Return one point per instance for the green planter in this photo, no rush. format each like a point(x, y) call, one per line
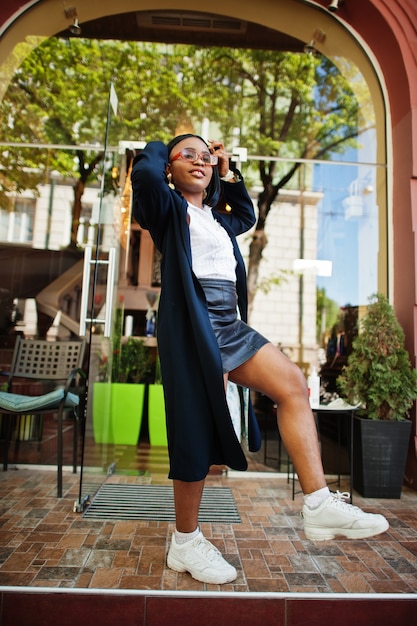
point(117, 412)
point(156, 416)
point(379, 458)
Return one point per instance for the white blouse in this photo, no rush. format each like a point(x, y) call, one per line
point(211, 247)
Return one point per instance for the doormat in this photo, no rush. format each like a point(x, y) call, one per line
point(156, 502)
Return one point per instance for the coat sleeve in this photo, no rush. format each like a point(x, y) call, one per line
point(242, 215)
point(151, 194)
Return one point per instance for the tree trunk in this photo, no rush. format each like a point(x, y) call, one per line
point(79, 188)
point(259, 241)
point(256, 248)
point(259, 238)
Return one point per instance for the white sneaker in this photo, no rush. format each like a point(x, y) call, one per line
point(334, 517)
point(201, 559)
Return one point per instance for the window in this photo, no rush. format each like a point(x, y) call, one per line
point(16, 226)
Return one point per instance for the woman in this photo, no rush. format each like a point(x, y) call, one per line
point(203, 343)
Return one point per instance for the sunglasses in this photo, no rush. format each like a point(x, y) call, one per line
point(191, 155)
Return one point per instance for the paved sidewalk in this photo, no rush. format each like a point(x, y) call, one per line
point(43, 543)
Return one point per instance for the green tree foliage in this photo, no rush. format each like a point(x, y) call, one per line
point(287, 105)
point(279, 104)
point(59, 95)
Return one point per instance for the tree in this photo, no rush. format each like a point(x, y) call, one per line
point(287, 105)
point(59, 95)
point(280, 105)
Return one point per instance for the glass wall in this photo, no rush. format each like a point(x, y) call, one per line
point(321, 258)
point(326, 229)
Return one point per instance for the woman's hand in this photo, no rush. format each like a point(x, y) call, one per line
point(217, 148)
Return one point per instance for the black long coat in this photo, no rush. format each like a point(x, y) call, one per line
point(200, 430)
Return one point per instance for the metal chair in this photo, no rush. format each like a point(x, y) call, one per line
point(59, 365)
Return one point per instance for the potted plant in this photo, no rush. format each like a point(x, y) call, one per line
point(156, 410)
point(380, 378)
point(118, 396)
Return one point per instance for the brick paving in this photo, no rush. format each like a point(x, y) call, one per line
point(44, 543)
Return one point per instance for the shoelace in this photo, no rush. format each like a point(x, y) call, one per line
point(207, 549)
point(339, 499)
point(341, 495)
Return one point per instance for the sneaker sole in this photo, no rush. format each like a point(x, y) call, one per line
point(177, 566)
point(325, 534)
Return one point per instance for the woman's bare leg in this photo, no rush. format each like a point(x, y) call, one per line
point(273, 374)
point(187, 497)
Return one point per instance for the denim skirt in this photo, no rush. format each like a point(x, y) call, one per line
point(237, 341)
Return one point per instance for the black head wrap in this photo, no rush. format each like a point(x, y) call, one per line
point(214, 188)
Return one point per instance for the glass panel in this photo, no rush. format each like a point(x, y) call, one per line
point(321, 263)
point(327, 243)
point(116, 383)
point(336, 228)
